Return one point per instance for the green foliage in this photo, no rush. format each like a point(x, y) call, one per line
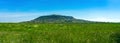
point(59, 33)
point(115, 37)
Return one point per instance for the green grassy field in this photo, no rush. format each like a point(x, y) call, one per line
point(59, 33)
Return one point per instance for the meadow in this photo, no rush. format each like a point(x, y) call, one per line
point(60, 33)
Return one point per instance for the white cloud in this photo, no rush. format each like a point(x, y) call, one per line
point(103, 19)
point(17, 16)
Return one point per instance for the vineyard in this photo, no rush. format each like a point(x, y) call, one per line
point(60, 33)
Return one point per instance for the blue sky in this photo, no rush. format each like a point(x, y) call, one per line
point(94, 10)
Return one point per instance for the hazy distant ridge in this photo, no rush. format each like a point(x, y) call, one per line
point(58, 19)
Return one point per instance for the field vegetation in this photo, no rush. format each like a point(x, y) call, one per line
point(60, 33)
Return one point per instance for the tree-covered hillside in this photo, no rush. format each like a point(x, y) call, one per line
point(57, 19)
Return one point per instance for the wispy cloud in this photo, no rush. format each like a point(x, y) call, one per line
point(91, 14)
point(17, 16)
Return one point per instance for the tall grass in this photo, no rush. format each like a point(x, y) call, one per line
point(59, 33)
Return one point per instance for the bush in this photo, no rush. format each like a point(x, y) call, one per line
point(115, 37)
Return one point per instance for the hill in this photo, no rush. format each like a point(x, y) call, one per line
point(57, 19)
